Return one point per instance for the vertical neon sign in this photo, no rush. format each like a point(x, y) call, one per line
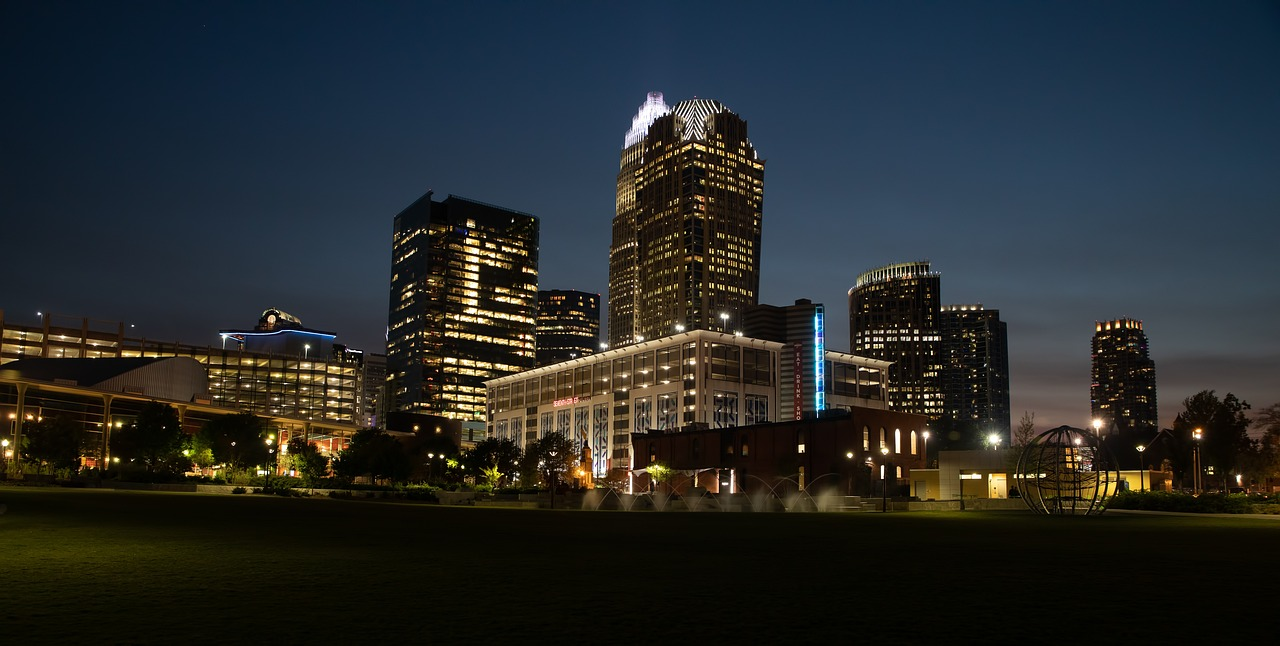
point(819, 361)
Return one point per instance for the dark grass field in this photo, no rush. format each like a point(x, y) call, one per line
point(99, 566)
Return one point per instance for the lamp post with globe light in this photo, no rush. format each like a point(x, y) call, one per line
point(551, 466)
point(1196, 435)
point(849, 456)
point(1142, 469)
point(884, 480)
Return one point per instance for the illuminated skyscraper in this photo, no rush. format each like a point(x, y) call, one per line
point(568, 325)
point(975, 367)
point(464, 297)
point(893, 316)
point(1123, 392)
point(686, 234)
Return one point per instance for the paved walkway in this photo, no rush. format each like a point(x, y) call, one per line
point(1186, 513)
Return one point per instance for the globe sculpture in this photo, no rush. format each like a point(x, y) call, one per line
point(1066, 471)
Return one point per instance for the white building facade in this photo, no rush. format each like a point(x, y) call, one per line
point(696, 379)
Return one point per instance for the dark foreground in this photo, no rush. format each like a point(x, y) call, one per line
point(95, 566)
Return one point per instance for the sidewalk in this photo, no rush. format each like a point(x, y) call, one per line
point(1275, 517)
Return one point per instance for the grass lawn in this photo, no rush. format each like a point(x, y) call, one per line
point(100, 566)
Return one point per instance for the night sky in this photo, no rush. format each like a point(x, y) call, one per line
point(184, 166)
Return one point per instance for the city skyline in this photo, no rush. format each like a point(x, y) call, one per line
point(183, 168)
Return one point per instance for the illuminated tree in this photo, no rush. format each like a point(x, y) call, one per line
point(55, 441)
point(550, 458)
point(238, 441)
point(154, 440)
point(309, 462)
point(495, 459)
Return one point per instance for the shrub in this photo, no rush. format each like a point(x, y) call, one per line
point(1209, 503)
point(238, 490)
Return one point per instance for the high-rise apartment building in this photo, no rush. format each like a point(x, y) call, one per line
point(686, 234)
point(893, 316)
point(1123, 392)
point(975, 367)
point(568, 325)
point(464, 297)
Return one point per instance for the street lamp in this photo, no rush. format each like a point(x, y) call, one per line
point(1196, 435)
point(1142, 468)
point(926, 448)
point(884, 480)
point(271, 454)
point(1097, 426)
point(994, 441)
point(724, 321)
point(849, 456)
point(551, 467)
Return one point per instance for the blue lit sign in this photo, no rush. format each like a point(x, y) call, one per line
point(819, 361)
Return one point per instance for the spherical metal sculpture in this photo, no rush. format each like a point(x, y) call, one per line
point(1066, 471)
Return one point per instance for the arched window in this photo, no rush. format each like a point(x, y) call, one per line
point(884, 439)
point(866, 439)
point(745, 449)
point(914, 450)
point(897, 440)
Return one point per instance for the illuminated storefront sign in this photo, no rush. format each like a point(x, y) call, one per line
point(819, 361)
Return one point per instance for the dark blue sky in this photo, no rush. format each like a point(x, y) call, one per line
point(183, 166)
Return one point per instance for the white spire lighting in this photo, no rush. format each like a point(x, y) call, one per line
point(652, 109)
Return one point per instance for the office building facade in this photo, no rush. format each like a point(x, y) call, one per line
point(464, 297)
point(975, 367)
point(695, 379)
point(1123, 389)
point(568, 325)
point(686, 231)
point(814, 379)
point(894, 316)
point(272, 373)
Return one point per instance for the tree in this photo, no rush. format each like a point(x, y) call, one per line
point(1225, 441)
point(238, 441)
point(307, 459)
point(495, 459)
point(1025, 432)
point(154, 440)
point(57, 441)
point(550, 458)
point(433, 457)
point(659, 473)
point(376, 454)
point(1267, 449)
